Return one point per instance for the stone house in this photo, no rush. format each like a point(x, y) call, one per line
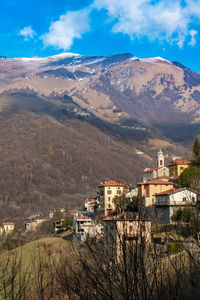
point(33, 222)
point(128, 228)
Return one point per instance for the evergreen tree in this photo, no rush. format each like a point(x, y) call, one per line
point(196, 153)
point(189, 178)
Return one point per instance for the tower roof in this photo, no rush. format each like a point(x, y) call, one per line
point(160, 152)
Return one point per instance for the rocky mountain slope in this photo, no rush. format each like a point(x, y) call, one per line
point(68, 122)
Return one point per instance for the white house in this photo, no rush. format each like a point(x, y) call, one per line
point(132, 192)
point(84, 226)
point(91, 204)
point(169, 201)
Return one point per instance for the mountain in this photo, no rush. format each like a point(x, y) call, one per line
point(68, 122)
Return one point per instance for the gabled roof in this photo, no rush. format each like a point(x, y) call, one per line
point(153, 169)
point(179, 162)
point(150, 170)
point(82, 218)
point(173, 191)
point(111, 183)
point(8, 223)
point(156, 181)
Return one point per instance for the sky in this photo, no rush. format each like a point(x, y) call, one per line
point(145, 28)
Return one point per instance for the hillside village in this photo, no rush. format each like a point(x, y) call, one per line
point(156, 199)
point(157, 196)
point(150, 224)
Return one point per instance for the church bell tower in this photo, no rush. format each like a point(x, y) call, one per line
point(161, 160)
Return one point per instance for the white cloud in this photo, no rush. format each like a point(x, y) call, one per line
point(164, 20)
point(70, 26)
point(192, 33)
point(167, 20)
point(27, 33)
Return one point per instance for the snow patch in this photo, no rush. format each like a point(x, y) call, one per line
point(45, 59)
point(94, 61)
point(134, 58)
point(154, 59)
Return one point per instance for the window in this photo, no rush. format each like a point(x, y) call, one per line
point(193, 199)
point(184, 199)
point(182, 168)
point(109, 192)
point(118, 192)
point(108, 198)
point(161, 162)
point(130, 228)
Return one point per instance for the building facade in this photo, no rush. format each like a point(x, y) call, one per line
point(107, 193)
point(84, 226)
point(176, 167)
point(127, 229)
point(8, 227)
point(169, 201)
point(147, 191)
point(33, 222)
point(159, 172)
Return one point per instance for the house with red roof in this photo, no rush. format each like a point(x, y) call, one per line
point(7, 227)
point(107, 192)
point(167, 203)
point(147, 191)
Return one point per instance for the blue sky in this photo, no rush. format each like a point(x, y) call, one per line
point(166, 28)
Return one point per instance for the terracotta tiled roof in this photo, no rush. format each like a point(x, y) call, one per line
point(111, 183)
point(82, 218)
point(156, 181)
point(172, 191)
point(150, 170)
point(179, 162)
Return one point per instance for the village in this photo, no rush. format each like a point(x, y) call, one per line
point(127, 230)
point(117, 212)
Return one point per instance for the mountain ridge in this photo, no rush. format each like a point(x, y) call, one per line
point(68, 123)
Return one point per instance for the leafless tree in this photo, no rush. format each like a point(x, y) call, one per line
point(13, 277)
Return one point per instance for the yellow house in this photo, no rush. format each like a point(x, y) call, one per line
point(176, 167)
point(107, 192)
point(8, 227)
